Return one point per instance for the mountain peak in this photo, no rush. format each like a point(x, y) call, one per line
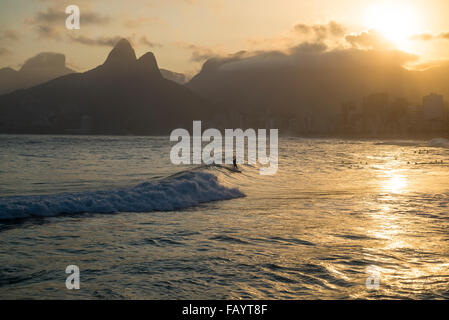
point(148, 63)
point(122, 53)
point(7, 70)
point(44, 60)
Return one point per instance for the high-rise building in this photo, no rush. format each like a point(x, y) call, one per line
point(433, 107)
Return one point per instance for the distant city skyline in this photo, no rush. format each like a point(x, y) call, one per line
point(184, 33)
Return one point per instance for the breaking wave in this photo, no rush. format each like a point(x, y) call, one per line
point(182, 190)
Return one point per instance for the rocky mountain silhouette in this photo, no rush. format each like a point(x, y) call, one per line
point(39, 69)
point(124, 95)
point(174, 76)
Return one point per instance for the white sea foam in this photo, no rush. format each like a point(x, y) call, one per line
point(183, 190)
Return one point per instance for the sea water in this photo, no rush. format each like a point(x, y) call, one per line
point(336, 213)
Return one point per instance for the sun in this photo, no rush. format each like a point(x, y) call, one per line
point(396, 22)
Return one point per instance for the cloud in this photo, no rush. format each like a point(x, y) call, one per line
point(315, 41)
point(143, 40)
point(4, 51)
point(10, 35)
point(315, 36)
point(422, 37)
point(321, 31)
point(330, 34)
point(335, 35)
point(310, 55)
point(50, 23)
point(430, 36)
point(310, 47)
point(139, 22)
point(201, 53)
point(368, 40)
point(98, 41)
point(45, 31)
point(103, 41)
point(444, 35)
point(58, 16)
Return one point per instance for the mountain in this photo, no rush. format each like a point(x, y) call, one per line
point(311, 82)
point(38, 69)
point(124, 95)
point(174, 76)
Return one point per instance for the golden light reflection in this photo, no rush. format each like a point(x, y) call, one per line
point(387, 227)
point(395, 183)
point(420, 272)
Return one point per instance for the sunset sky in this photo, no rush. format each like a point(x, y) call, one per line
point(183, 33)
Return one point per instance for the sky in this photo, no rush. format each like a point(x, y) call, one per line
point(184, 33)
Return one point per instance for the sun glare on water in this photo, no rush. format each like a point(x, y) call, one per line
point(395, 183)
point(395, 22)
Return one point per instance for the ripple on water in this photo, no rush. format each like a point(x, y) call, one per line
point(292, 241)
point(225, 238)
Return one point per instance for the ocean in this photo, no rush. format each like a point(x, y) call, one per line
point(341, 219)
